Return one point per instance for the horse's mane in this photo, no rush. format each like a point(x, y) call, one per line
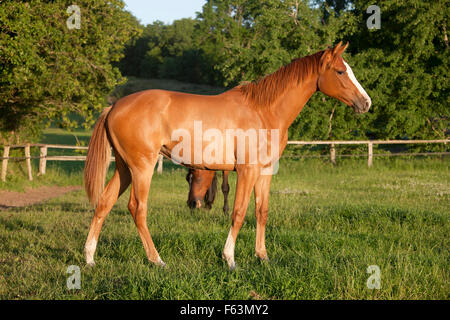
point(265, 91)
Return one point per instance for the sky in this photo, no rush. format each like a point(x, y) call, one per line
point(148, 11)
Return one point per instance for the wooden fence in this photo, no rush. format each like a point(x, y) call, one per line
point(43, 157)
point(370, 144)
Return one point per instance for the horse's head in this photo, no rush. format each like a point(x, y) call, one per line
point(200, 181)
point(336, 79)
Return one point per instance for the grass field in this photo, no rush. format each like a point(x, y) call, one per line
point(326, 226)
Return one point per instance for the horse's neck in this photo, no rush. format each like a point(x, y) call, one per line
point(288, 106)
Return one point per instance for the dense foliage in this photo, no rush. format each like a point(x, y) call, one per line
point(48, 71)
point(403, 65)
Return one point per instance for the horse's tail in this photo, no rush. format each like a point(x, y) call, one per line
point(97, 160)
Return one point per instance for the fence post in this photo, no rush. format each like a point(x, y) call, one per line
point(42, 160)
point(333, 154)
point(28, 160)
point(160, 164)
point(5, 162)
point(370, 158)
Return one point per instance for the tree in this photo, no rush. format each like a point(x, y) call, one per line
point(254, 38)
point(403, 66)
point(406, 66)
point(168, 51)
point(48, 71)
point(142, 55)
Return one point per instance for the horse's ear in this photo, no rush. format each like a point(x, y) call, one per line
point(337, 48)
point(326, 59)
point(339, 51)
point(329, 55)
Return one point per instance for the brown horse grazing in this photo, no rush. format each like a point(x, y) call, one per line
point(203, 185)
point(141, 125)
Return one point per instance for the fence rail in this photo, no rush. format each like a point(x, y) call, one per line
point(43, 157)
point(369, 144)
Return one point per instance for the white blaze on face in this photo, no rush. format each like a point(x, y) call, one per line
point(356, 83)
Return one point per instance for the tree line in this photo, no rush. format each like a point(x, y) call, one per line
point(52, 73)
point(403, 64)
point(49, 72)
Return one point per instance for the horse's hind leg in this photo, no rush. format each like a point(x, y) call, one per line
point(141, 180)
point(116, 186)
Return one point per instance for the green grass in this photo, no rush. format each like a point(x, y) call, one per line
point(61, 136)
point(58, 173)
point(326, 226)
point(66, 173)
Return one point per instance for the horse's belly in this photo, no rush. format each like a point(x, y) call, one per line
point(192, 164)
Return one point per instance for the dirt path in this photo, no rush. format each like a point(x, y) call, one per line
point(11, 199)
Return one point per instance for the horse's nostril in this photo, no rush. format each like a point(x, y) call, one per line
point(192, 204)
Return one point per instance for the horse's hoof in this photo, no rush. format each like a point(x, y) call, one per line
point(263, 258)
point(90, 264)
point(230, 262)
point(231, 265)
point(160, 263)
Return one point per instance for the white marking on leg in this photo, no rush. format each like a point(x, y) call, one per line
point(352, 77)
point(89, 250)
point(228, 251)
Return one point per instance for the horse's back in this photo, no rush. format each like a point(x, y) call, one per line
point(150, 118)
point(158, 101)
point(142, 101)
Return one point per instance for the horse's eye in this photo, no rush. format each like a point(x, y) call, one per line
point(340, 72)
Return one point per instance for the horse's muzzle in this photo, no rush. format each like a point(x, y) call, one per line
point(194, 204)
point(362, 105)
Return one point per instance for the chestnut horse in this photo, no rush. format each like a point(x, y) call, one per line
point(140, 126)
point(203, 185)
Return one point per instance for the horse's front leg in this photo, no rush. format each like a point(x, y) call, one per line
point(262, 188)
point(246, 178)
